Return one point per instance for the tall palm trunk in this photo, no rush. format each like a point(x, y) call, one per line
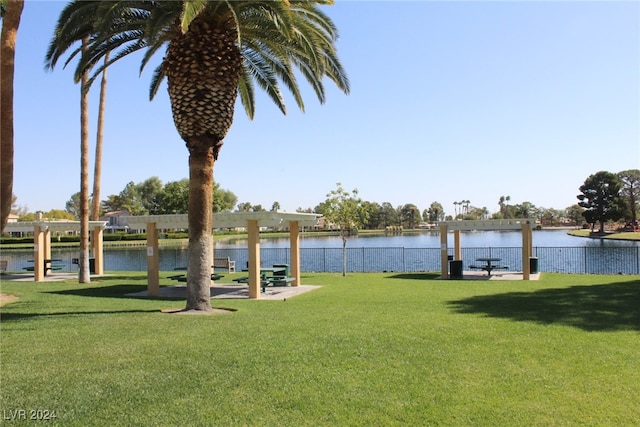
point(203, 68)
point(10, 24)
point(97, 169)
point(84, 274)
point(201, 161)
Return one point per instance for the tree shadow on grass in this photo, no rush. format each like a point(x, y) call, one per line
point(416, 276)
point(17, 316)
point(114, 291)
point(610, 307)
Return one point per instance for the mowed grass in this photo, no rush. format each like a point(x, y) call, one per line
point(366, 349)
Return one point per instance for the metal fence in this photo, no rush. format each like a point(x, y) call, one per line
point(577, 260)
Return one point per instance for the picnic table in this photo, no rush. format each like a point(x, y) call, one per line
point(47, 265)
point(488, 265)
point(278, 275)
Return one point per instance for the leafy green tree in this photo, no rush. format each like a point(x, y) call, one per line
point(223, 200)
point(73, 205)
point(149, 191)
point(435, 213)
point(600, 197)
point(574, 213)
point(215, 51)
point(410, 215)
point(275, 207)
point(375, 215)
point(630, 190)
point(346, 211)
point(174, 198)
point(389, 216)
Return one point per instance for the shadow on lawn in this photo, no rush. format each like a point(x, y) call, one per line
point(17, 316)
point(609, 307)
point(416, 276)
point(113, 291)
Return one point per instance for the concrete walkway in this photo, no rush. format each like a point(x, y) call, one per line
point(232, 292)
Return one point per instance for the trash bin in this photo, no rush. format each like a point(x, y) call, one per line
point(455, 269)
point(533, 265)
point(92, 265)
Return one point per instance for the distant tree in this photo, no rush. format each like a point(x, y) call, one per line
point(389, 216)
point(223, 200)
point(149, 192)
point(550, 216)
point(174, 198)
point(410, 215)
point(600, 196)
point(375, 215)
point(574, 213)
point(345, 210)
point(435, 213)
point(630, 190)
point(275, 207)
point(244, 207)
point(524, 210)
point(73, 205)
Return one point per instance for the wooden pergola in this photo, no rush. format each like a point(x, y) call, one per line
point(252, 221)
point(524, 224)
point(42, 241)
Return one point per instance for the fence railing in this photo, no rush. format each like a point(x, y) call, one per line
point(579, 260)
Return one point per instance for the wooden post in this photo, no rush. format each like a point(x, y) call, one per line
point(98, 250)
point(294, 239)
point(444, 260)
point(153, 260)
point(38, 254)
point(526, 250)
point(254, 258)
point(456, 244)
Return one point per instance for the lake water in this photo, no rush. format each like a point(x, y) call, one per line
point(472, 239)
point(555, 250)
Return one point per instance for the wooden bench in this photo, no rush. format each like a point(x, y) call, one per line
point(225, 263)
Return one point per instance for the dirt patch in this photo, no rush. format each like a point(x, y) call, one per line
point(7, 298)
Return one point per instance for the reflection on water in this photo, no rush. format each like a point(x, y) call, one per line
point(470, 239)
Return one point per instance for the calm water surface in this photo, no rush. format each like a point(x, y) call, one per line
point(473, 239)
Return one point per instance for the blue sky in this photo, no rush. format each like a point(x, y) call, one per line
point(449, 101)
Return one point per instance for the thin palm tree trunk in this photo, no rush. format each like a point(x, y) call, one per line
point(10, 24)
point(84, 275)
point(97, 169)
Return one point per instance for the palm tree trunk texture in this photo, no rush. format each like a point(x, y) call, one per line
point(10, 24)
point(97, 168)
point(201, 161)
point(84, 274)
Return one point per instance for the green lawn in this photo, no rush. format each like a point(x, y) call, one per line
point(367, 349)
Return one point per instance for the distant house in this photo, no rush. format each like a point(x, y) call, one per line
point(116, 221)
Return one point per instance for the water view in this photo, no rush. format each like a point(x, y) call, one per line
point(431, 239)
point(555, 250)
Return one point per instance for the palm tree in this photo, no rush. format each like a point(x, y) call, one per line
point(11, 13)
point(215, 51)
point(97, 167)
